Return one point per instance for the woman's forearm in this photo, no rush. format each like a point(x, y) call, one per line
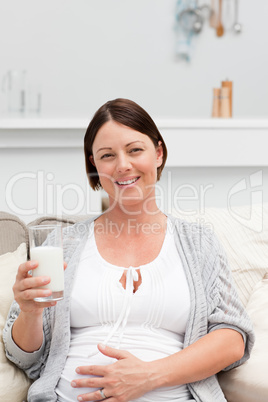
point(27, 331)
point(206, 357)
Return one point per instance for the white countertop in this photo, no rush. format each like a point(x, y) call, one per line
point(190, 142)
point(82, 123)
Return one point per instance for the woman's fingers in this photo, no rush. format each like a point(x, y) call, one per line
point(87, 382)
point(94, 396)
point(23, 270)
point(34, 282)
point(93, 370)
point(90, 382)
point(30, 284)
point(113, 352)
point(27, 287)
point(31, 294)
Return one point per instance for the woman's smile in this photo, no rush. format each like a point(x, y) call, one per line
point(127, 182)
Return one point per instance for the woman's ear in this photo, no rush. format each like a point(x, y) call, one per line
point(91, 159)
point(159, 154)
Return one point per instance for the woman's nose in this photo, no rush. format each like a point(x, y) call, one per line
point(123, 163)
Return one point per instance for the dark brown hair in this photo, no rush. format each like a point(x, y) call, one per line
point(128, 113)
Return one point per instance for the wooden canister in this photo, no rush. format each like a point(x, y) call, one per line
point(225, 103)
point(216, 106)
point(229, 85)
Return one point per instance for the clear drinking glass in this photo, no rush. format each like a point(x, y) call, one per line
point(14, 85)
point(46, 248)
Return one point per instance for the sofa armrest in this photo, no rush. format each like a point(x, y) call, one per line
point(13, 232)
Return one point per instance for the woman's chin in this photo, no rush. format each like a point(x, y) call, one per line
point(126, 204)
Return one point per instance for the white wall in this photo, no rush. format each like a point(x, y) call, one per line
point(85, 52)
point(190, 190)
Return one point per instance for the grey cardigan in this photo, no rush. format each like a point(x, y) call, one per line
point(214, 305)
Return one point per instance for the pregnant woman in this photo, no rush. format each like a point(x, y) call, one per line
point(150, 311)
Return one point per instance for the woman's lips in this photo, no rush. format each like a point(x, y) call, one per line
point(127, 181)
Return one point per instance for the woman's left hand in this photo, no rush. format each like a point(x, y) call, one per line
point(126, 379)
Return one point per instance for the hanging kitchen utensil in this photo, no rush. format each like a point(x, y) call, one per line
point(205, 10)
point(237, 26)
point(227, 15)
point(191, 19)
point(220, 28)
point(213, 15)
point(184, 38)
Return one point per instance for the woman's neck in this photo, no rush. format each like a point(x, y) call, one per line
point(135, 219)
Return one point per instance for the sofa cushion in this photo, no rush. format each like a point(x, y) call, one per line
point(248, 382)
point(13, 232)
point(243, 232)
point(14, 383)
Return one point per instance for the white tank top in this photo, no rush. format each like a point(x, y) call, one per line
point(149, 323)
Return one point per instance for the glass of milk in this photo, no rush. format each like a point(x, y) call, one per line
point(46, 248)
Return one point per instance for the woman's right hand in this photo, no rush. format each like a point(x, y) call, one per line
point(26, 288)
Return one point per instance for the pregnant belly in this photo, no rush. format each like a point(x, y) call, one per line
point(64, 388)
point(66, 393)
point(84, 352)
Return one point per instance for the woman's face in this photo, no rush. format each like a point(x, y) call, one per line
point(127, 162)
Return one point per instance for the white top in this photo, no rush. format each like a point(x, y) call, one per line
point(149, 323)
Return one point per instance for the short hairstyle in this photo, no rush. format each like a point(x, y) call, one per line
point(128, 113)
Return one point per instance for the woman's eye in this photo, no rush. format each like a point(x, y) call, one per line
point(135, 150)
point(106, 156)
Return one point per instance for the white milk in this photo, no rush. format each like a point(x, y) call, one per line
point(50, 261)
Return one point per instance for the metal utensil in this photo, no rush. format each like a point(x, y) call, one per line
point(213, 16)
point(237, 27)
point(191, 19)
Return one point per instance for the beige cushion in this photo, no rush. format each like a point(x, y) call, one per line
point(248, 383)
point(14, 383)
point(243, 232)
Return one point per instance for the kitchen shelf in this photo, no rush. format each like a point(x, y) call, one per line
point(53, 123)
point(190, 142)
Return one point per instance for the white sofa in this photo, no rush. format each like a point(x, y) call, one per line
point(243, 232)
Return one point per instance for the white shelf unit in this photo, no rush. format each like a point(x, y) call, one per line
point(190, 142)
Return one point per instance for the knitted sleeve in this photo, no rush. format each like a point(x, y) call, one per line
point(225, 309)
point(31, 363)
